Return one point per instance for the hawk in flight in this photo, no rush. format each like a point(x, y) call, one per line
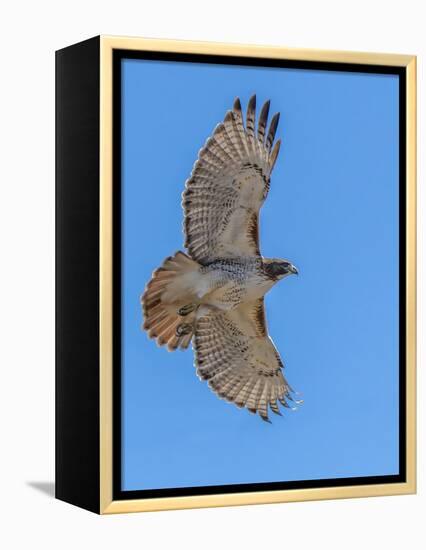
point(213, 295)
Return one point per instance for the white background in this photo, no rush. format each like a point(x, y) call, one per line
point(29, 33)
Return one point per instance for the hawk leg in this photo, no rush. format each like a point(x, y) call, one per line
point(187, 328)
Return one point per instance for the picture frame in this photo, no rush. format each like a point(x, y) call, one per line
point(89, 241)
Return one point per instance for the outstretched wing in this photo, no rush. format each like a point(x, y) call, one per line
point(234, 353)
point(228, 184)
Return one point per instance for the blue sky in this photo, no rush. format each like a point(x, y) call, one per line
point(333, 211)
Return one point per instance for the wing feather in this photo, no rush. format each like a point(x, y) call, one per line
point(263, 120)
point(274, 155)
point(272, 130)
point(251, 115)
point(228, 185)
point(238, 116)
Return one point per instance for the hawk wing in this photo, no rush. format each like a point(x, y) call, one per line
point(228, 185)
point(234, 353)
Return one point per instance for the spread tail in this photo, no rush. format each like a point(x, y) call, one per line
point(168, 292)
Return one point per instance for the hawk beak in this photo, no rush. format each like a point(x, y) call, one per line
point(294, 270)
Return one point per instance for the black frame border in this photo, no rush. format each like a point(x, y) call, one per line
point(118, 56)
point(77, 398)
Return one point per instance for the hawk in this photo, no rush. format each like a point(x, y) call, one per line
point(213, 295)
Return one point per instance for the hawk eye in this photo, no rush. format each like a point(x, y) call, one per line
point(275, 268)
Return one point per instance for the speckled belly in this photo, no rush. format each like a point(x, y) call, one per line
point(228, 289)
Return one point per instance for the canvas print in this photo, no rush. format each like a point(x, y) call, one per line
point(213, 296)
point(260, 262)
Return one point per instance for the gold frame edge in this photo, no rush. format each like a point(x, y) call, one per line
point(105, 276)
point(107, 504)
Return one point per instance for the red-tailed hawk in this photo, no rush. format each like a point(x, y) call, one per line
point(213, 296)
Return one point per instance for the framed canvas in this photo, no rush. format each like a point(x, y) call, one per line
point(235, 235)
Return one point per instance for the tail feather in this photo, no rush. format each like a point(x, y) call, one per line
point(165, 293)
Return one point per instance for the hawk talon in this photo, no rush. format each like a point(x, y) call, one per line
point(183, 329)
point(186, 310)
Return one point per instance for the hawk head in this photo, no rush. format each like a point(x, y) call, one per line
point(277, 269)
